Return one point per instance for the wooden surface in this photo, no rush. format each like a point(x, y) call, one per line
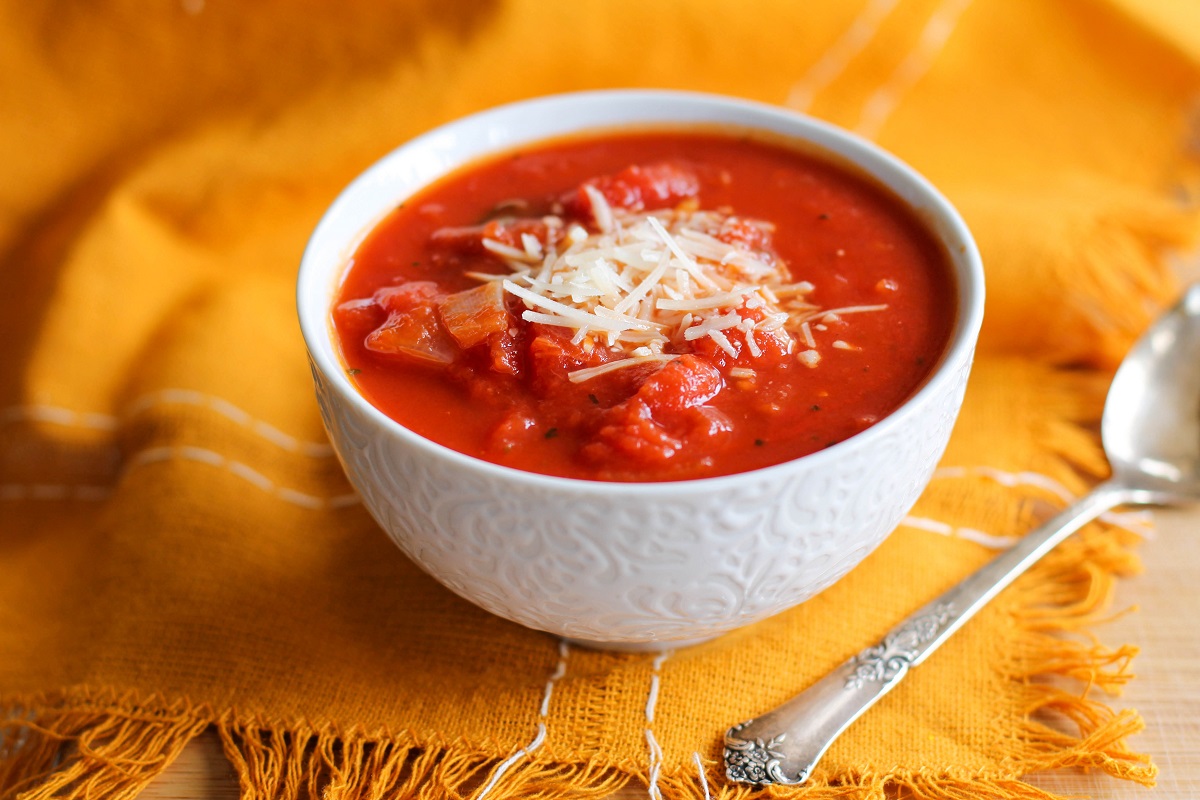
point(1167, 690)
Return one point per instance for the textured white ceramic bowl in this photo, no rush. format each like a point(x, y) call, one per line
point(619, 564)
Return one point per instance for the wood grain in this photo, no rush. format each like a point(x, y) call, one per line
point(1166, 626)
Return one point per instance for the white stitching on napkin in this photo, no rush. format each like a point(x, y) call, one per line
point(656, 759)
point(880, 105)
point(652, 697)
point(835, 60)
point(993, 540)
point(560, 669)
point(503, 766)
point(1010, 479)
point(1139, 523)
point(232, 412)
point(254, 477)
point(703, 777)
point(107, 422)
point(652, 746)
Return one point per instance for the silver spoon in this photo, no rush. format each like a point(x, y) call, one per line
point(1151, 434)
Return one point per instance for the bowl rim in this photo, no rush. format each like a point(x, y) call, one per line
point(726, 111)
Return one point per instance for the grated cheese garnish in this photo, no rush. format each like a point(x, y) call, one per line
point(507, 252)
point(580, 375)
point(806, 332)
point(646, 283)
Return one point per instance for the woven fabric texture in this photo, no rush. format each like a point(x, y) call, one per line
point(180, 552)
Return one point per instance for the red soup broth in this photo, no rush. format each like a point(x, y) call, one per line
point(712, 374)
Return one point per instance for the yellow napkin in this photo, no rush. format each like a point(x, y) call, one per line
point(180, 551)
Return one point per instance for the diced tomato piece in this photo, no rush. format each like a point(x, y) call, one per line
point(468, 239)
point(359, 317)
point(708, 424)
point(773, 345)
point(406, 296)
point(412, 328)
point(665, 416)
point(516, 428)
point(630, 430)
point(676, 396)
point(683, 383)
point(553, 355)
point(750, 234)
point(504, 353)
point(637, 188)
point(399, 320)
point(415, 333)
point(707, 348)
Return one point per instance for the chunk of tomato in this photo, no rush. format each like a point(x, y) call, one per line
point(417, 335)
point(751, 235)
point(412, 328)
point(406, 296)
point(630, 431)
point(771, 347)
point(683, 383)
point(359, 317)
point(665, 417)
point(637, 188)
point(362, 315)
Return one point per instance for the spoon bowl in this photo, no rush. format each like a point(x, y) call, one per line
point(1151, 435)
point(1151, 425)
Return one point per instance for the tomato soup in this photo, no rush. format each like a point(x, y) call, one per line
point(651, 306)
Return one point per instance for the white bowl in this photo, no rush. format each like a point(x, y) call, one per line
point(630, 565)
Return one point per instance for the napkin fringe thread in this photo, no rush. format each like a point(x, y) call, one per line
point(304, 763)
point(89, 745)
point(1059, 663)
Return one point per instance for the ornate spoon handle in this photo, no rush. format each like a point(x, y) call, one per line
point(784, 745)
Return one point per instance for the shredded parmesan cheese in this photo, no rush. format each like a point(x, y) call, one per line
point(646, 284)
point(806, 332)
point(504, 251)
point(835, 314)
point(580, 375)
